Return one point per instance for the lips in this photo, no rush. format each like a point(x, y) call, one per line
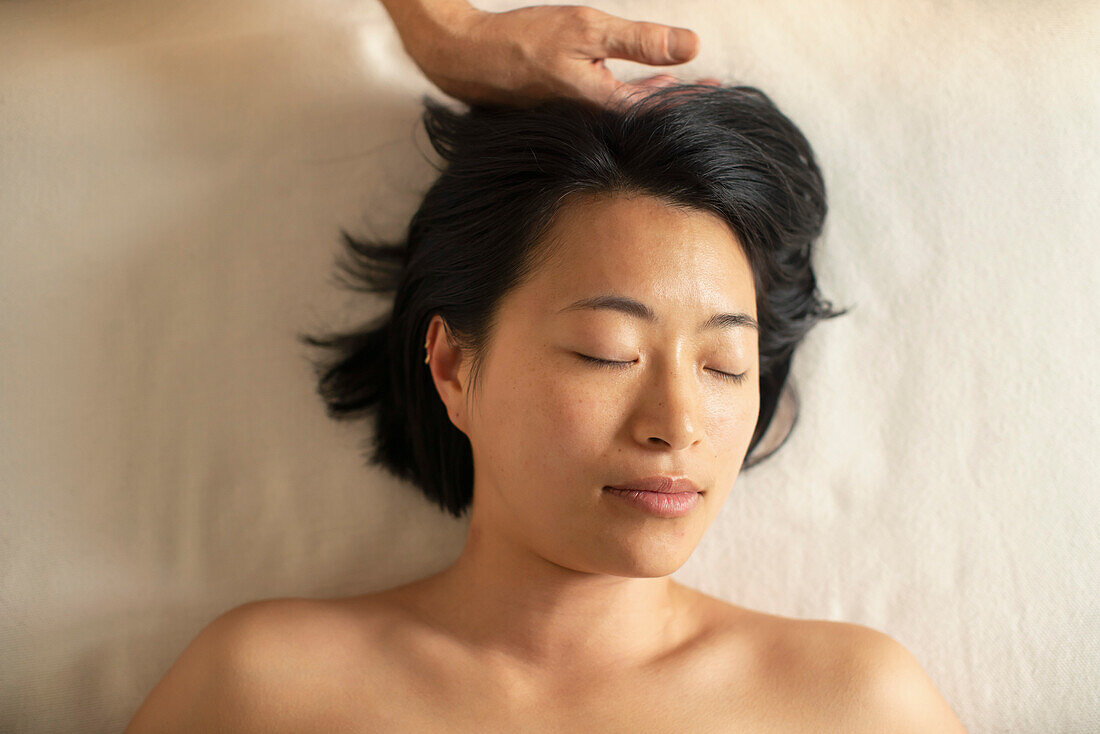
point(660, 483)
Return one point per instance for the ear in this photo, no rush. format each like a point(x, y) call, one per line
point(449, 369)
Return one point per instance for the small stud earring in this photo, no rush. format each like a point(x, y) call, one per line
point(428, 356)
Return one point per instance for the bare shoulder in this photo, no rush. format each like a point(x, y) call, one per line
point(243, 672)
point(863, 680)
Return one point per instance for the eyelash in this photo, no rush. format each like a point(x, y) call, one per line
point(738, 379)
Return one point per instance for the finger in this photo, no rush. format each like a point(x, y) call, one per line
point(611, 93)
point(627, 94)
point(646, 43)
point(667, 80)
point(658, 80)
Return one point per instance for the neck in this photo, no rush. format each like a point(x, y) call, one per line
point(503, 599)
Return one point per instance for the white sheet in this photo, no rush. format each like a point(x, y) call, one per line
point(172, 181)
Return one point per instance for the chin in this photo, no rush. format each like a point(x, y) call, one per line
point(654, 560)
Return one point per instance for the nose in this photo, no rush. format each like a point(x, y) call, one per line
point(670, 414)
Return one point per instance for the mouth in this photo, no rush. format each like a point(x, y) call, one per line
point(659, 504)
point(660, 483)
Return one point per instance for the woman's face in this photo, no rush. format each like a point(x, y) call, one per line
point(549, 430)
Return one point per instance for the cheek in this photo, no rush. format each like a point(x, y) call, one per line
point(580, 414)
point(743, 407)
point(587, 416)
point(574, 416)
point(554, 422)
point(545, 422)
point(733, 426)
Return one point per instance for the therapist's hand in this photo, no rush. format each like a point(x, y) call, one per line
point(523, 56)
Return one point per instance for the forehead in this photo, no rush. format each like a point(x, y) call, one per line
point(646, 248)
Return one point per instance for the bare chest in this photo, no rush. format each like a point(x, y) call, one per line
point(606, 710)
point(719, 688)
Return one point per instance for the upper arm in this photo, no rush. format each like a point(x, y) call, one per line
point(895, 693)
point(222, 681)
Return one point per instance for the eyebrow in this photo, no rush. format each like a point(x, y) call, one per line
point(639, 310)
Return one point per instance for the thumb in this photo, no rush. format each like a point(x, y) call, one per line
point(648, 43)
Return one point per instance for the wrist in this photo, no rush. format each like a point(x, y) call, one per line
point(428, 19)
point(436, 32)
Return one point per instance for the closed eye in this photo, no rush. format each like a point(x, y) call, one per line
point(611, 364)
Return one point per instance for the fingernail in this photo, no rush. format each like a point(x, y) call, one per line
point(680, 43)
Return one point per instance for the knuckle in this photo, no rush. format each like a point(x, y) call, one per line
point(591, 36)
point(582, 15)
point(584, 23)
point(651, 39)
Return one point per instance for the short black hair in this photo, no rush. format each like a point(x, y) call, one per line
point(478, 233)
